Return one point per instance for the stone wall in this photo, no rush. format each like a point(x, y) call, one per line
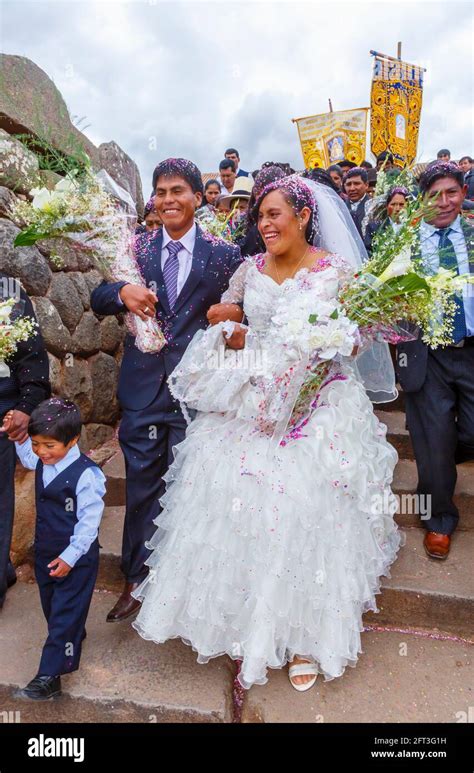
point(84, 350)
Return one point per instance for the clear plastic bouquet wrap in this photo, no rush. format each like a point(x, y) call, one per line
point(95, 217)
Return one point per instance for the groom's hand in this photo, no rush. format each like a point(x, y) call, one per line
point(139, 300)
point(220, 312)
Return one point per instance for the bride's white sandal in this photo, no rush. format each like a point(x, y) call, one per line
point(303, 669)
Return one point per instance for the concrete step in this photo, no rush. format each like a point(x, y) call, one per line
point(404, 485)
point(122, 678)
point(399, 677)
point(421, 592)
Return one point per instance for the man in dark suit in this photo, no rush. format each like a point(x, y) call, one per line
point(24, 384)
point(185, 274)
point(356, 186)
point(466, 163)
point(438, 383)
point(233, 154)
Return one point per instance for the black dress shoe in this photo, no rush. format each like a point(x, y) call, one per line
point(41, 688)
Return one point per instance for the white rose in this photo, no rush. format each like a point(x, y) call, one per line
point(340, 338)
point(295, 326)
point(324, 309)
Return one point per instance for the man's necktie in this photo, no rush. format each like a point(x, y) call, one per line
point(447, 259)
point(170, 272)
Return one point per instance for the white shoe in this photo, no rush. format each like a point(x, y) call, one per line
point(303, 669)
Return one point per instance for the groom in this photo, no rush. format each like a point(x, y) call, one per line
point(185, 273)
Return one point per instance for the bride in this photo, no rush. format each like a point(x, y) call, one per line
point(270, 545)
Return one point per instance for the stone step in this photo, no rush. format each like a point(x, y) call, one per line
point(397, 434)
point(110, 538)
point(395, 405)
point(404, 486)
point(428, 593)
point(421, 592)
point(399, 677)
point(121, 678)
point(114, 471)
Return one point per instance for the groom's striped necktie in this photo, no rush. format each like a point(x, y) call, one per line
point(447, 259)
point(170, 271)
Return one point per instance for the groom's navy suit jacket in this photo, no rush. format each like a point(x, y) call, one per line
point(412, 375)
point(213, 264)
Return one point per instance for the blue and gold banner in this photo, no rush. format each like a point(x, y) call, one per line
point(330, 137)
point(395, 108)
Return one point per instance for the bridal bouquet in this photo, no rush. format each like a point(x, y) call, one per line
point(11, 332)
point(96, 217)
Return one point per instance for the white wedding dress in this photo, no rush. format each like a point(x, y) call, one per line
point(266, 551)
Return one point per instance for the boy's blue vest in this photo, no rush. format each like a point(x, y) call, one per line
point(56, 507)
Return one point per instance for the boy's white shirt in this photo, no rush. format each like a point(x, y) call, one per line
point(90, 491)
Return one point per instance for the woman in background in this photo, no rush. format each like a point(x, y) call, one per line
point(386, 214)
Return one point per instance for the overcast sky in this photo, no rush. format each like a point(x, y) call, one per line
point(189, 79)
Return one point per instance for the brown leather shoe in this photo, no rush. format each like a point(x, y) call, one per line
point(126, 604)
point(437, 545)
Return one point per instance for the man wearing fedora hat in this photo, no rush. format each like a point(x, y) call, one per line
point(238, 201)
point(240, 194)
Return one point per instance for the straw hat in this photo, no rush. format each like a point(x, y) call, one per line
point(241, 190)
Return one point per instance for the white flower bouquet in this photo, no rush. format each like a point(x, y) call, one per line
point(97, 217)
point(12, 331)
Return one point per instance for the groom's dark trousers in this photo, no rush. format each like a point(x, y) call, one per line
point(152, 421)
point(439, 403)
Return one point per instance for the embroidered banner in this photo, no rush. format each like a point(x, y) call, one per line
point(330, 137)
point(395, 108)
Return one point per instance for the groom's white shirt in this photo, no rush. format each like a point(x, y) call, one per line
point(185, 256)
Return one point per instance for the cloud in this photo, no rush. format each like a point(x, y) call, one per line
point(189, 79)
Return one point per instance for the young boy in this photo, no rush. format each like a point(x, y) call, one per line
point(69, 506)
